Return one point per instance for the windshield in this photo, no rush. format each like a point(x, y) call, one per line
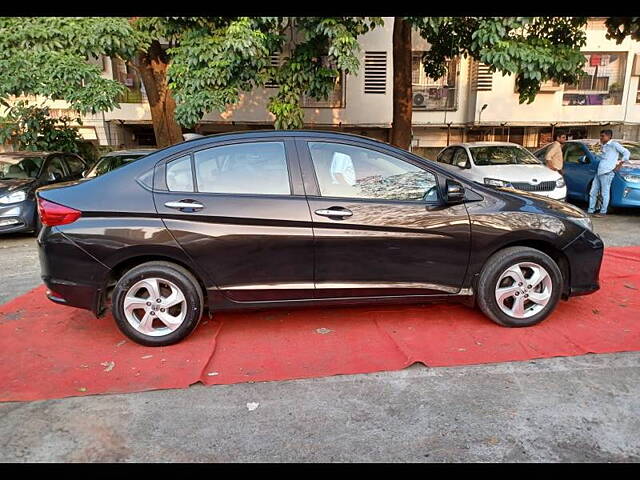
point(19, 166)
point(106, 164)
point(502, 155)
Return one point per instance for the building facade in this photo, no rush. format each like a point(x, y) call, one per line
point(469, 103)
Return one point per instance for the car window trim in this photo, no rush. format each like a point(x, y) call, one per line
point(294, 174)
point(312, 186)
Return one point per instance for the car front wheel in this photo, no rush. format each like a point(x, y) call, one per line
point(519, 287)
point(157, 303)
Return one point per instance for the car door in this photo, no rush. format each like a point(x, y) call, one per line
point(239, 211)
point(578, 170)
point(379, 224)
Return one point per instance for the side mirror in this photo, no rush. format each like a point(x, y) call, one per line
point(461, 164)
point(54, 177)
point(455, 192)
point(583, 159)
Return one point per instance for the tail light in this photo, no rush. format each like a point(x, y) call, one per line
point(52, 214)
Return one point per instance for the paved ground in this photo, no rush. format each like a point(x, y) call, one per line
point(579, 409)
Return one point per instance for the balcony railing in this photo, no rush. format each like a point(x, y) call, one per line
point(434, 97)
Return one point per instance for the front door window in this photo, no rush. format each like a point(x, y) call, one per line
point(346, 171)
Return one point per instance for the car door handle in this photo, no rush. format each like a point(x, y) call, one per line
point(184, 204)
point(334, 212)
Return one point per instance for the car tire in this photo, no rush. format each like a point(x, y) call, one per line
point(160, 321)
point(506, 296)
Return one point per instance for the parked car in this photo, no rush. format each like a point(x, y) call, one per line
point(503, 164)
point(581, 158)
point(287, 218)
point(21, 173)
point(113, 160)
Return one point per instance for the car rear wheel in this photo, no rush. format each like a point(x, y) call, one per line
point(157, 303)
point(519, 287)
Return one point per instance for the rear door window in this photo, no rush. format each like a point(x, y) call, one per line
point(258, 168)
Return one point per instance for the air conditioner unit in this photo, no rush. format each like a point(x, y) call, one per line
point(636, 65)
point(419, 100)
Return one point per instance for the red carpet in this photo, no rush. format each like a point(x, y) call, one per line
point(51, 351)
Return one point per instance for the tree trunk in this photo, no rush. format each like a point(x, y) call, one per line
point(402, 92)
point(152, 66)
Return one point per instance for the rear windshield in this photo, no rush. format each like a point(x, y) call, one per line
point(14, 166)
point(106, 164)
point(502, 155)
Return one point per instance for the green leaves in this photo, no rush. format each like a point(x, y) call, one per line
point(48, 56)
point(215, 61)
point(30, 127)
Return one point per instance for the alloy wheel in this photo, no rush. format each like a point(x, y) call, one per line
point(155, 306)
point(523, 290)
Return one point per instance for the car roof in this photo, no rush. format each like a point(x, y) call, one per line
point(596, 140)
point(280, 133)
point(132, 151)
point(485, 144)
point(26, 153)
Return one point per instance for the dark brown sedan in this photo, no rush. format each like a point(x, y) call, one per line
point(288, 218)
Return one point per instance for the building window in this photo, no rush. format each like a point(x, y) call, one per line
point(603, 82)
point(433, 94)
point(336, 97)
point(127, 76)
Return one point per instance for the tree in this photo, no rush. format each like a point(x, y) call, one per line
point(219, 58)
point(47, 56)
point(619, 28)
point(30, 127)
point(534, 49)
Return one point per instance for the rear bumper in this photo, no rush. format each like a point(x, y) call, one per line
point(585, 259)
point(72, 276)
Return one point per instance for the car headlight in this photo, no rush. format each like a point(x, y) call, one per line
point(631, 178)
point(14, 197)
point(494, 182)
point(560, 183)
point(582, 221)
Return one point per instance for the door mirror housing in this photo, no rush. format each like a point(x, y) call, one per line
point(455, 192)
point(54, 177)
point(461, 164)
point(583, 159)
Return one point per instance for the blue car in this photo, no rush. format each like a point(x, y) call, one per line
point(581, 158)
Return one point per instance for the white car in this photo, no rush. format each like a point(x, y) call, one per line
point(503, 164)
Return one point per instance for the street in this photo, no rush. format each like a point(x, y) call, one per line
point(574, 409)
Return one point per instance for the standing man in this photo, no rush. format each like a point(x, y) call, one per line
point(608, 163)
point(553, 155)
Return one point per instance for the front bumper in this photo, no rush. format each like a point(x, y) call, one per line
point(625, 194)
point(585, 259)
point(556, 194)
point(72, 276)
point(17, 217)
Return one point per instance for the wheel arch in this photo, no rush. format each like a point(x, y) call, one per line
point(119, 269)
point(546, 247)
